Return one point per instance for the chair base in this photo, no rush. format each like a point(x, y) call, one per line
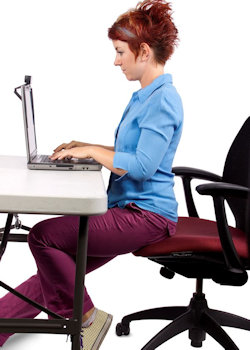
point(197, 318)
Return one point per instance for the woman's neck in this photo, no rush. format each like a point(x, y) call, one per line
point(151, 74)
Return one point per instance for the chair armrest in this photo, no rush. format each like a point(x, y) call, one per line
point(223, 189)
point(187, 174)
point(195, 173)
point(219, 192)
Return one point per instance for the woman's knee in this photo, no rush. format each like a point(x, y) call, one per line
point(56, 232)
point(38, 233)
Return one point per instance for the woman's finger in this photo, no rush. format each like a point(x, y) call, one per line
point(59, 148)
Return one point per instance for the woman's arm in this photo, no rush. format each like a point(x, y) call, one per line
point(79, 144)
point(103, 155)
point(144, 162)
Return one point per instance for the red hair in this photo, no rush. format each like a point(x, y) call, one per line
point(150, 22)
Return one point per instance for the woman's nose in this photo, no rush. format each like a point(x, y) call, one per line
point(117, 61)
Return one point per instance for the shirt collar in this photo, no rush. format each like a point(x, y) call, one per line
point(144, 93)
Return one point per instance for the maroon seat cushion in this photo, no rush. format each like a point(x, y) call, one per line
point(195, 235)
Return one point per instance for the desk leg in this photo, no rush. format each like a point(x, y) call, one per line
point(81, 262)
point(5, 236)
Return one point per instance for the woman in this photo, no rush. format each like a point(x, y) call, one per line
point(142, 206)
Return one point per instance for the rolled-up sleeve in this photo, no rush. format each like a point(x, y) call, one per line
point(142, 165)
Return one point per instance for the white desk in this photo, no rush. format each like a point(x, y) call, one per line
point(51, 192)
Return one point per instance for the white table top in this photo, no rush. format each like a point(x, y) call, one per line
point(49, 192)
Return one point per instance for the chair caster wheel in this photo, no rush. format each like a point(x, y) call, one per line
point(197, 336)
point(122, 329)
point(196, 344)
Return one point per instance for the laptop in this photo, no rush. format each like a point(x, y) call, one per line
point(35, 160)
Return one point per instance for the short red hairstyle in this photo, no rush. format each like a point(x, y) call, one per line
point(150, 22)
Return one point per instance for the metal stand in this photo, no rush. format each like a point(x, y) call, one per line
point(6, 236)
point(197, 318)
point(58, 325)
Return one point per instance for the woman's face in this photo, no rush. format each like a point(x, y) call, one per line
point(125, 58)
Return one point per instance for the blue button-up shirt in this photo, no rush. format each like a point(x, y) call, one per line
point(145, 144)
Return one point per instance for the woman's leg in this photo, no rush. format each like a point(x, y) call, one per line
point(54, 242)
point(13, 307)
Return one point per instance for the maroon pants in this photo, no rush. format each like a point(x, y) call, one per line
point(53, 243)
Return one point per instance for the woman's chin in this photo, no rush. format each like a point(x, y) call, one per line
point(130, 78)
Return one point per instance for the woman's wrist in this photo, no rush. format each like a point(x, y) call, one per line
point(93, 151)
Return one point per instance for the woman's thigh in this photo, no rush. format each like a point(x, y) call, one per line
point(118, 231)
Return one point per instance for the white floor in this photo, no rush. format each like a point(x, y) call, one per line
point(125, 285)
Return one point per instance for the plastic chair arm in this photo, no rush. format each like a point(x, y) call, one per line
point(219, 192)
point(187, 174)
point(223, 189)
point(195, 173)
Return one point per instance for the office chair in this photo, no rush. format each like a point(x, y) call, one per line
point(203, 249)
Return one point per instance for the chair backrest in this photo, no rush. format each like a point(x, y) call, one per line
point(237, 171)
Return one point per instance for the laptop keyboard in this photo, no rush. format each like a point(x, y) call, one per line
point(46, 159)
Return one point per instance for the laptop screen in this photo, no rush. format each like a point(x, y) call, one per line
point(29, 120)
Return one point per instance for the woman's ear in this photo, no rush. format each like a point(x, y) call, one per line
point(145, 52)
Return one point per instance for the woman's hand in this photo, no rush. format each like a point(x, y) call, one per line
point(73, 152)
point(70, 145)
point(60, 152)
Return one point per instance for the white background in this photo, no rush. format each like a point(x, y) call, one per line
point(79, 94)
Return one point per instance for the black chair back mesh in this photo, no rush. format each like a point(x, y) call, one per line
point(236, 171)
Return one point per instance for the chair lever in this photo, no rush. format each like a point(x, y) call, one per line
point(165, 272)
